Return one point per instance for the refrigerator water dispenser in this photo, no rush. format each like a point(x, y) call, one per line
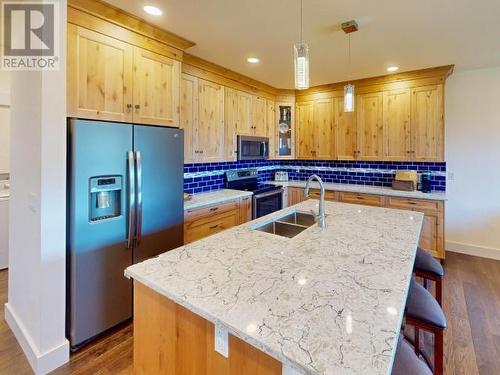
point(105, 197)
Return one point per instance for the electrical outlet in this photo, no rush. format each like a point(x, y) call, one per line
point(451, 176)
point(221, 340)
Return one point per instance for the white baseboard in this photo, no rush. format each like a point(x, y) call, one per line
point(479, 251)
point(40, 363)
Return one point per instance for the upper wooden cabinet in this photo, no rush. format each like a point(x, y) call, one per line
point(210, 129)
point(396, 119)
point(100, 75)
point(259, 117)
point(202, 118)
point(324, 141)
point(111, 80)
point(369, 127)
point(345, 131)
point(156, 89)
point(305, 130)
point(427, 123)
point(230, 123)
point(189, 116)
point(244, 113)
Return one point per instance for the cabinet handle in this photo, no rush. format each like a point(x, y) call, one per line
point(410, 202)
point(129, 107)
point(408, 152)
point(201, 151)
point(214, 209)
point(137, 106)
point(213, 226)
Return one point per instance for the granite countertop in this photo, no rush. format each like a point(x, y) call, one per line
point(327, 301)
point(214, 197)
point(366, 189)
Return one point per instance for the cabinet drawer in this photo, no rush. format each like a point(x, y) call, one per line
point(412, 204)
point(207, 226)
point(198, 213)
point(365, 199)
point(329, 195)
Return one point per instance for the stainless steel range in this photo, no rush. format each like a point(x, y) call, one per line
point(266, 198)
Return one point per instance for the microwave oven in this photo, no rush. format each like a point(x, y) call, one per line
point(253, 148)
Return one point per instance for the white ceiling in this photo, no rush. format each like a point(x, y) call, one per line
point(412, 34)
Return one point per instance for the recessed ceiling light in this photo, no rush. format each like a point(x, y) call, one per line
point(392, 68)
point(154, 11)
point(253, 60)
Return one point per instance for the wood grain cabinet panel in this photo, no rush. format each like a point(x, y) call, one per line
point(295, 195)
point(271, 115)
point(230, 123)
point(244, 114)
point(245, 209)
point(396, 120)
point(259, 116)
point(329, 195)
point(323, 136)
point(369, 126)
point(427, 123)
point(99, 76)
point(345, 132)
point(156, 89)
point(210, 121)
point(305, 130)
point(189, 116)
point(364, 199)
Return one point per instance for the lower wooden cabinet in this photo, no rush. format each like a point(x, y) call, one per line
point(365, 199)
point(295, 195)
point(205, 221)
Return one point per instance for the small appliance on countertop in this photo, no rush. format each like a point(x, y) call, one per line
point(266, 198)
point(281, 176)
point(425, 182)
point(405, 180)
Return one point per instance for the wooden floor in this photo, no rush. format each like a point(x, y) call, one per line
point(471, 301)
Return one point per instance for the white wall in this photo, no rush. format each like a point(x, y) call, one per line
point(37, 265)
point(4, 122)
point(473, 162)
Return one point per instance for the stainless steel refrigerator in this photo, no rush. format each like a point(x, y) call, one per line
point(125, 204)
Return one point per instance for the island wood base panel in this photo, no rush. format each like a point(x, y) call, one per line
point(169, 339)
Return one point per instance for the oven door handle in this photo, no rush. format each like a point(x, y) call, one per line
point(269, 193)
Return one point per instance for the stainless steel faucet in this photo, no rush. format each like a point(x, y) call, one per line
point(321, 216)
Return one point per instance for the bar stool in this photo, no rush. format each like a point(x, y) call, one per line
point(406, 361)
point(428, 268)
point(423, 312)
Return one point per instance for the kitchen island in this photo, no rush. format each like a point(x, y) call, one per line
point(327, 301)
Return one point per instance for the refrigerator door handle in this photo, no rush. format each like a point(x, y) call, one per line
point(131, 199)
point(138, 163)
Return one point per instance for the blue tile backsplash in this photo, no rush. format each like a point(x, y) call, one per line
point(210, 176)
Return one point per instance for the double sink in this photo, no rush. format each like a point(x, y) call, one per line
point(289, 225)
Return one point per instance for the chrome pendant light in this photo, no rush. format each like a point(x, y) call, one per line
point(301, 59)
point(349, 90)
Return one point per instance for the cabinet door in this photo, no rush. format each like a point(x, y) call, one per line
point(432, 235)
point(345, 132)
point(427, 123)
point(156, 89)
point(396, 115)
point(210, 130)
point(305, 140)
point(99, 76)
point(244, 114)
point(230, 123)
point(259, 111)
point(295, 195)
point(369, 127)
point(271, 113)
point(324, 147)
point(189, 116)
point(245, 209)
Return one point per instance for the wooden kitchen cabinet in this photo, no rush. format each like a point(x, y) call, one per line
point(205, 221)
point(331, 196)
point(295, 195)
point(271, 115)
point(427, 123)
point(369, 126)
point(231, 98)
point(305, 130)
point(345, 132)
point(156, 89)
point(364, 199)
point(245, 209)
point(189, 116)
point(244, 113)
point(315, 136)
point(210, 129)
point(99, 76)
point(432, 235)
point(259, 116)
point(396, 122)
point(111, 80)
